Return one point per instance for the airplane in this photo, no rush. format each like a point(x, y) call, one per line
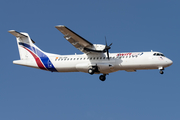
point(96, 58)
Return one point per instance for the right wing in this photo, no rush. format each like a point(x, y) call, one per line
point(77, 41)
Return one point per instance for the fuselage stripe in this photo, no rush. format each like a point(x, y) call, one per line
point(42, 59)
point(37, 59)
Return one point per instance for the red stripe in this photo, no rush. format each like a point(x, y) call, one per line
point(38, 61)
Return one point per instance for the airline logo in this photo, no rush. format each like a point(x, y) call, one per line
point(161, 58)
point(129, 54)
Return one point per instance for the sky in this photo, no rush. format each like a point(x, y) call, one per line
point(132, 26)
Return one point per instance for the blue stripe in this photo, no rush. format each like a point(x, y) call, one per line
point(44, 58)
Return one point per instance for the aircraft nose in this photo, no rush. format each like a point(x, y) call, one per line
point(169, 62)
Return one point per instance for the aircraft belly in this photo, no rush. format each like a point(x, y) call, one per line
point(83, 67)
point(65, 67)
point(105, 67)
point(136, 64)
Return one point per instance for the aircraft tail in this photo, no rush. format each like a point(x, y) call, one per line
point(23, 42)
point(30, 54)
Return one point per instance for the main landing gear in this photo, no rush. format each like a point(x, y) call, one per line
point(102, 77)
point(93, 70)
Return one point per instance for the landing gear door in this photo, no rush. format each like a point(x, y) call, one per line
point(105, 68)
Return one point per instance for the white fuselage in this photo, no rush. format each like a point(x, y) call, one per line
point(118, 61)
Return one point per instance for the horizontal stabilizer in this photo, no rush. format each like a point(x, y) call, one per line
point(18, 34)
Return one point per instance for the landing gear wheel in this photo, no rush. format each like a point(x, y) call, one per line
point(102, 77)
point(91, 71)
point(161, 72)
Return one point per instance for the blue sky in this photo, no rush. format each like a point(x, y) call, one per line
point(27, 93)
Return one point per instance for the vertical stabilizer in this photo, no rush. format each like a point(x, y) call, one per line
point(22, 39)
point(30, 54)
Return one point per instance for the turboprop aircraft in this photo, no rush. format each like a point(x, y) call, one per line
point(95, 60)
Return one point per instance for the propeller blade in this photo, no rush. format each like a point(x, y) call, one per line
point(110, 44)
point(105, 40)
point(106, 49)
point(108, 54)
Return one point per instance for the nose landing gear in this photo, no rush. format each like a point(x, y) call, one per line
point(161, 70)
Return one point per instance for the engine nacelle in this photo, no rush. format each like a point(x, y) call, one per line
point(99, 47)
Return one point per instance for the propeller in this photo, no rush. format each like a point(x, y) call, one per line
point(106, 49)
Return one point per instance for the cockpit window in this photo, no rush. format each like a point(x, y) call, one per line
point(158, 54)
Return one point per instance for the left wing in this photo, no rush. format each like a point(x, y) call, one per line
point(80, 43)
point(77, 41)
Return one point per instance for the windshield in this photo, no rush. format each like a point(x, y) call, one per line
point(158, 54)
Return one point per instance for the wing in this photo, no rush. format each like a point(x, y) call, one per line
point(77, 41)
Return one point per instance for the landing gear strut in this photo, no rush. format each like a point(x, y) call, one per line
point(102, 77)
